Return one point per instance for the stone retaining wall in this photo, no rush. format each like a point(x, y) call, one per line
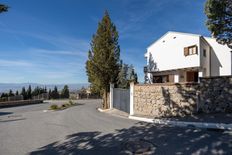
point(18, 103)
point(211, 95)
point(216, 94)
point(165, 100)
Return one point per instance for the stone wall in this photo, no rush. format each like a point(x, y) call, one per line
point(19, 103)
point(216, 94)
point(165, 100)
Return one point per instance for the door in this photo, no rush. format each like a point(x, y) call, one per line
point(192, 76)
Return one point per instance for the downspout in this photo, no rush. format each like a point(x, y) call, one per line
point(210, 50)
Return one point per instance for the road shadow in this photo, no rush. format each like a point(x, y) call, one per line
point(165, 140)
point(5, 113)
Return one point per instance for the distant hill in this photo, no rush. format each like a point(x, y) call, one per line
point(5, 87)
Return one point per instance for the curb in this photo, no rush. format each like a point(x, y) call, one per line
point(103, 110)
point(204, 125)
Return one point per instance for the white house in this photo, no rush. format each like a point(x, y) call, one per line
point(184, 57)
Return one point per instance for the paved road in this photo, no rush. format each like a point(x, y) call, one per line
point(83, 130)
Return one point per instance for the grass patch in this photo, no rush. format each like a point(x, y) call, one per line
point(54, 107)
point(70, 103)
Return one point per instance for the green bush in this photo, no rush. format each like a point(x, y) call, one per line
point(54, 107)
point(70, 102)
point(65, 105)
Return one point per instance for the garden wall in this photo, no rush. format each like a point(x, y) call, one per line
point(211, 95)
point(18, 103)
point(165, 100)
point(216, 94)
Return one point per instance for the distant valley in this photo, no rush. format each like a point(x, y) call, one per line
point(5, 87)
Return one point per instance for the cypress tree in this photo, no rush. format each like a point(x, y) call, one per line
point(102, 66)
point(29, 94)
point(65, 92)
point(23, 93)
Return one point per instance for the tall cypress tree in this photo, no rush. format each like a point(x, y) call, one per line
point(29, 94)
point(24, 93)
point(102, 66)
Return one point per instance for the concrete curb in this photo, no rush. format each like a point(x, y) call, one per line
point(103, 110)
point(205, 125)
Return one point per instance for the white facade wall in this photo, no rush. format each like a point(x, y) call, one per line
point(220, 58)
point(205, 60)
point(168, 51)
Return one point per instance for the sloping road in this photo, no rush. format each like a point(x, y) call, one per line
point(83, 130)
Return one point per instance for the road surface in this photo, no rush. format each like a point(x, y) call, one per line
point(83, 130)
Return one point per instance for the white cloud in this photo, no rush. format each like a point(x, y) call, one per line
point(15, 63)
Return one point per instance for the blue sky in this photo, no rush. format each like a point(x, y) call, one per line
point(46, 41)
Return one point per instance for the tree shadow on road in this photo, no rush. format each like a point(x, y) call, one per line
point(165, 140)
point(5, 113)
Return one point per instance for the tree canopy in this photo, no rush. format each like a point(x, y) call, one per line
point(3, 8)
point(126, 75)
point(102, 66)
point(65, 92)
point(219, 22)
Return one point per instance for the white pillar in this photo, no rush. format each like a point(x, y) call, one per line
point(176, 78)
point(200, 74)
point(111, 95)
point(132, 98)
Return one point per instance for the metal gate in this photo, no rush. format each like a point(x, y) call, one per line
point(121, 99)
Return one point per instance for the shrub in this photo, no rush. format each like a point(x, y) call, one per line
point(54, 107)
point(70, 102)
point(65, 105)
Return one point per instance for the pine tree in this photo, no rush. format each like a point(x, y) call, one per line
point(65, 92)
point(219, 22)
point(102, 66)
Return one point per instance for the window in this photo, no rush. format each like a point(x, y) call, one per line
point(204, 52)
point(161, 79)
point(191, 50)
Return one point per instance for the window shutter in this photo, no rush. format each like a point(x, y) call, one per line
point(185, 51)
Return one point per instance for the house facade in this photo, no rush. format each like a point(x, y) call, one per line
point(184, 57)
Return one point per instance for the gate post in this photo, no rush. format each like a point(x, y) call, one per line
point(132, 98)
point(111, 95)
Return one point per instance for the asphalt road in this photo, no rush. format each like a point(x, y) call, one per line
point(83, 130)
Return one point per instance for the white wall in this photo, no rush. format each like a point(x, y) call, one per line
point(205, 61)
point(168, 51)
point(220, 58)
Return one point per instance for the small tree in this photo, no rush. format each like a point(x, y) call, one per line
point(65, 92)
point(55, 93)
point(17, 93)
point(219, 22)
point(3, 8)
point(126, 75)
point(50, 93)
point(102, 66)
point(10, 93)
point(29, 94)
point(24, 93)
